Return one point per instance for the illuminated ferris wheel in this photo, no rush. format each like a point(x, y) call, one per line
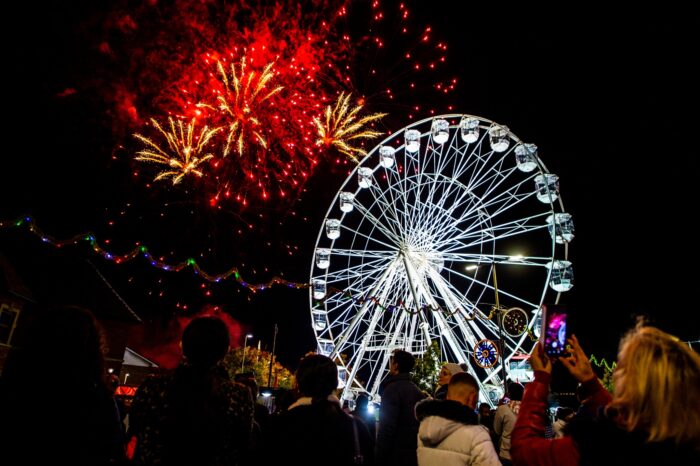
point(452, 231)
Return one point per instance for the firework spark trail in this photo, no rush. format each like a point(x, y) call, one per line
point(342, 126)
point(243, 94)
point(172, 52)
point(185, 154)
point(398, 63)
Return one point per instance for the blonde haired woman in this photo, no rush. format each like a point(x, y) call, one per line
point(653, 417)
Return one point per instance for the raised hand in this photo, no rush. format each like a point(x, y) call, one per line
point(538, 360)
point(577, 363)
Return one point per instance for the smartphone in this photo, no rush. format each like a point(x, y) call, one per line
point(554, 329)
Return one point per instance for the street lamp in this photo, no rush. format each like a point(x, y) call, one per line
point(245, 343)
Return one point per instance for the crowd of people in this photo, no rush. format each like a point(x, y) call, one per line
point(199, 415)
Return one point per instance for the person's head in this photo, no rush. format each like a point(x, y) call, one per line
point(463, 388)
point(484, 409)
point(248, 379)
point(402, 362)
point(285, 398)
point(657, 386)
point(205, 341)
point(447, 371)
point(316, 376)
point(76, 332)
point(361, 402)
point(515, 391)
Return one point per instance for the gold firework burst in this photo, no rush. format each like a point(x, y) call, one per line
point(340, 128)
point(184, 153)
point(244, 92)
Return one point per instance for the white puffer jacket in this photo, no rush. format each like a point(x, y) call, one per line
point(450, 436)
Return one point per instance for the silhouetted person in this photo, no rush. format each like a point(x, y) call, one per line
point(652, 418)
point(504, 420)
point(55, 404)
point(446, 372)
point(197, 415)
point(315, 431)
point(584, 411)
point(562, 417)
point(486, 419)
point(284, 398)
point(260, 418)
point(397, 430)
point(361, 411)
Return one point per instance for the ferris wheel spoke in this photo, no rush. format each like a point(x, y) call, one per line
point(396, 187)
point(483, 174)
point(450, 294)
point(490, 170)
point(444, 222)
point(489, 177)
point(367, 254)
point(382, 241)
point(491, 233)
point(493, 375)
point(342, 338)
point(436, 193)
point(422, 293)
point(483, 215)
point(498, 175)
point(404, 206)
point(503, 200)
point(463, 197)
point(388, 228)
point(396, 199)
point(361, 271)
point(483, 229)
point(490, 287)
point(504, 230)
point(475, 157)
point(504, 205)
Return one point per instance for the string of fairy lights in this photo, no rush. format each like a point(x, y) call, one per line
point(602, 363)
point(233, 272)
point(142, 250)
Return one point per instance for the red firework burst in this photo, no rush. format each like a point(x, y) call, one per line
point(318, 50)
point(178, 71)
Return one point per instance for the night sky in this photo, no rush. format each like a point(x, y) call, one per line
point(610, 99)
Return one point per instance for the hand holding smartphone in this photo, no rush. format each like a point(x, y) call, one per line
point(554, 329)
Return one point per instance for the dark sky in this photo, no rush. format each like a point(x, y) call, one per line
point(609, 98)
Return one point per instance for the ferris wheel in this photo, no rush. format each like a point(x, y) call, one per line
point(451, 230)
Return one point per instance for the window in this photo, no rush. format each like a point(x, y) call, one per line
point(8, 321)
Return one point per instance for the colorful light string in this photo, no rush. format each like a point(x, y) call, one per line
point(602, 363)
point(140, 249)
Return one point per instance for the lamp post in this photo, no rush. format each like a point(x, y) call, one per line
point(272, 357)
point(499, 319)
point(245, 343)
